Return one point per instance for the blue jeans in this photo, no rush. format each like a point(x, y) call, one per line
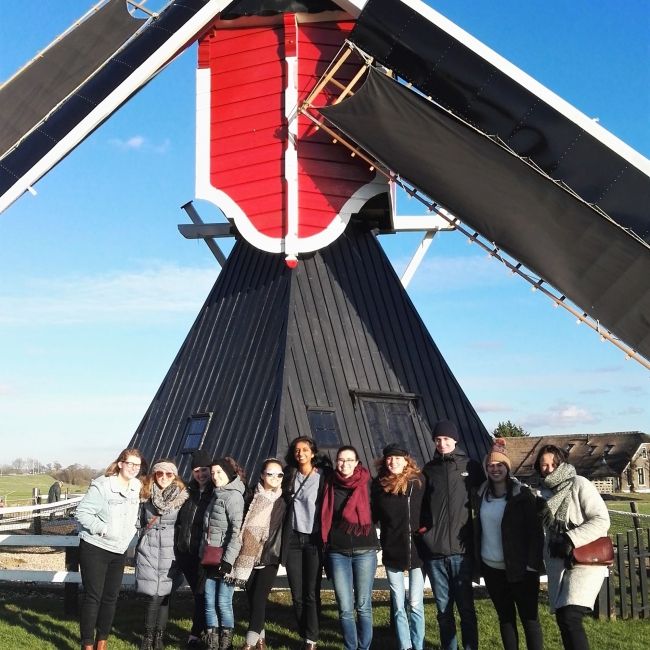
point(451, 581)
point(221, 592)
point(410, 629)
point(353, 577)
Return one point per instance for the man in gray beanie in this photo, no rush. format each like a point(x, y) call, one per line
point(447, 534)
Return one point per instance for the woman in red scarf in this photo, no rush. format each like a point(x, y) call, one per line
point(351, 546)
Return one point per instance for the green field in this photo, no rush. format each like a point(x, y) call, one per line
point(16, 489)
point(31, 619)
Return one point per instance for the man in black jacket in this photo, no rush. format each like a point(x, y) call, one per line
point(447, 535)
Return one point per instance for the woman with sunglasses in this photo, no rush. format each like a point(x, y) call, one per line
point(302, 555)
point(107, 516)
point(189, 531)
point(261, 539)
point(351, 546)
point(156, 574)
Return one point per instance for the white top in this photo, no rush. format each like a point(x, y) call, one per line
point(491, 542)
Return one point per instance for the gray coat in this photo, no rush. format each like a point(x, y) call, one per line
point(156, 573)
point(588, 519)
point(223, 520)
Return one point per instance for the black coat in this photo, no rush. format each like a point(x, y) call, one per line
point(272, 549)
point(398, 516)
point(340, 541)
point(446, 508)
point(189, 524)
point(522, 532)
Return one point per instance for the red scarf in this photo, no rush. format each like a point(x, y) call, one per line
point(355, 518)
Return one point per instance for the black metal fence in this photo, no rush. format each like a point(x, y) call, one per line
point(624, 593)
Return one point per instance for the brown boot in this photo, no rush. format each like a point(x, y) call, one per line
point(101, 644)
point(261, 644)
point(88, 647)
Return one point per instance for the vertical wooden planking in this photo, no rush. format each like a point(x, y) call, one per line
point(632, 575)
point(620, 567)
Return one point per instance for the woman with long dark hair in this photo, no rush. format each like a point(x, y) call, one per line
point(351, 546)
point(302, 488)
point(509, 539)
point(261, 540)
point(163, 493)
point(221, 525)
point(107, 515)
point(396, 500)
point(577, 515)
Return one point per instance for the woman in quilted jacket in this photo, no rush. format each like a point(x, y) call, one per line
point(157, 575)
point(221, 526)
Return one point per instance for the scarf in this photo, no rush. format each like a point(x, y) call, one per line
point(560, 481)
point(355, 518)
point(254, 533)
point(171, 498)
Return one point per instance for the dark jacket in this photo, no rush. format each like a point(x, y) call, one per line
point(272, 549)
point(189, 524)
point(446, 508)
point(398, 516)
point(340, 541)
point(287, 494)
point(522, 533)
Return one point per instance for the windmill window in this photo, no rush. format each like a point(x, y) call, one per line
point(591, 449)
point(608, 448)
point(391, 420)
point(640, 476)
point(195, 430)
point(644, 453)
point(324, 428)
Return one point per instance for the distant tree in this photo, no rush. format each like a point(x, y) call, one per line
point(18, 465)
point(509, 430)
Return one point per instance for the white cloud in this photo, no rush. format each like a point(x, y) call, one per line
point(140, 143)
point(561, 416)
point(492, 407)
point(122, 296)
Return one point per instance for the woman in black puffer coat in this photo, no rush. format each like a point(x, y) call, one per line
point(189, 532)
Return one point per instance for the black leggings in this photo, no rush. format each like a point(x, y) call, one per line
point(510, 598)
point(101, 576)
point(569, 620)
point(189, 565)
point(157, 613)
point(258, 589)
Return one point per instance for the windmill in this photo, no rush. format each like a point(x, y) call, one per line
point(302, 108)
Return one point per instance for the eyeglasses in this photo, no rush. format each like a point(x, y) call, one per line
point(343, 461)
point(274, 474)
point(131, 465)
point(165, 474)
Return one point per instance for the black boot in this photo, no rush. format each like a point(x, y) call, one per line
point(225, 638)
point(147, 640)
point(212, 638)
point(158, 640)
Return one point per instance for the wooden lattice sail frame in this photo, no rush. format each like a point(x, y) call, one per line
point(310, 108)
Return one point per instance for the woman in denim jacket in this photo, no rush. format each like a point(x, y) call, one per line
point(107, 515)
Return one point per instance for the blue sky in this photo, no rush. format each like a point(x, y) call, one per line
point(98, 289)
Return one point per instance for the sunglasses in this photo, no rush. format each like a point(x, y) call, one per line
point(165, 474)
point(274, 474)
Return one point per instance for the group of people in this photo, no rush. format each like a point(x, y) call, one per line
point(452, 521)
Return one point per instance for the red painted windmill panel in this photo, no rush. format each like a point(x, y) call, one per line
point(285, 185)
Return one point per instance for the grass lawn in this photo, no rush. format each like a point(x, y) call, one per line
point(34, 619)
point(18, 488)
